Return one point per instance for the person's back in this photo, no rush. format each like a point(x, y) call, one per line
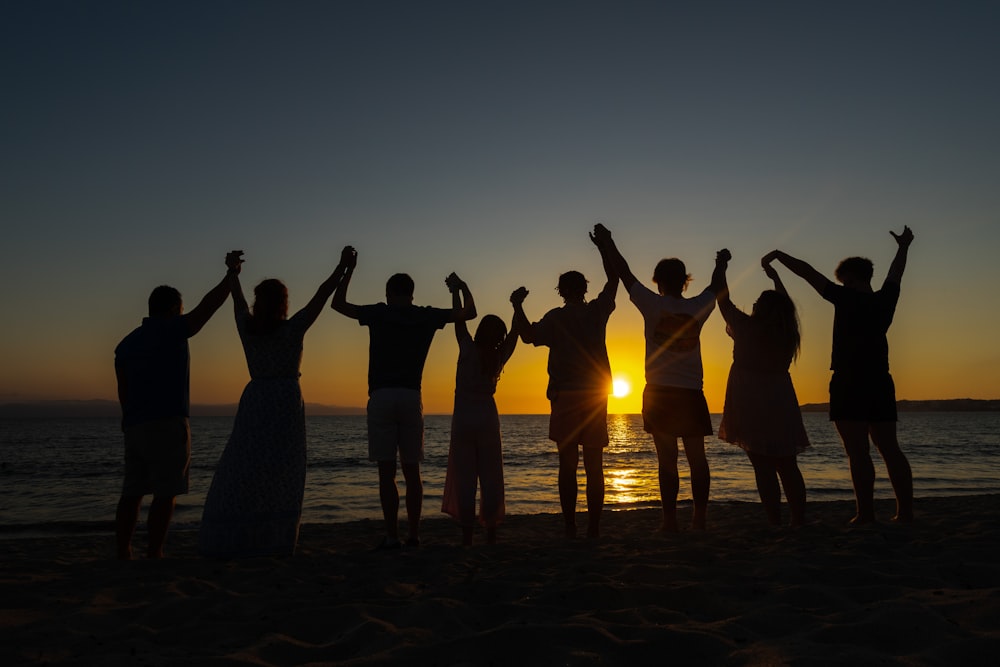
point(578, 354)
point(153, 361)
point(400, 338)
point(860, 323)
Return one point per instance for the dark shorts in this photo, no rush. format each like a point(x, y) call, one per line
point(862, 397)
point(157, 458)
point(675, 411)
point(579, 418)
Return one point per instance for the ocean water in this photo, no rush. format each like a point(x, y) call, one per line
point(65, 475)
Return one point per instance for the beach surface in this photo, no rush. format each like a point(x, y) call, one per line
point(740, 593)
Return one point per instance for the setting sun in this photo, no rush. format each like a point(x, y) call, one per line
point(620, 388)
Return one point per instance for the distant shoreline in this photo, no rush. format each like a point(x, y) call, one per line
point(106, 408)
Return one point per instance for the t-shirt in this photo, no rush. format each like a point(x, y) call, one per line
point(155, 363)
point(860, 323)
point(399, 339)
point(672, 327)
point(578, 354)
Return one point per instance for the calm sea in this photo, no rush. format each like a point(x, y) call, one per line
point(65, 475)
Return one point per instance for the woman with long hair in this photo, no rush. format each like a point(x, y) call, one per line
point(254, 503)
point(761, 413)
point(475, 457)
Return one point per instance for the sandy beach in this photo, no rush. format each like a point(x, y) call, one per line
point(740, 593)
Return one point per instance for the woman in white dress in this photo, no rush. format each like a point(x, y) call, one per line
point(254, 503)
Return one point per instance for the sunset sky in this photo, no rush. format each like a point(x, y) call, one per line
point(142, 141)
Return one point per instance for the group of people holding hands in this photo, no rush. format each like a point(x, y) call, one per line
point(254, 503)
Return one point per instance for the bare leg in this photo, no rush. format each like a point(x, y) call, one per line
point(854, 435)
point(126, 517)
point(897, 466)
point(593, 464)
point(388, 494)
point(666, 456)
point(795, 487)
point(414, 499)
point(569, 460)
point(161, 511)
point(694, 450)
point(767, 486)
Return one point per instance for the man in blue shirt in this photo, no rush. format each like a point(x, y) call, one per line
point(152, 365)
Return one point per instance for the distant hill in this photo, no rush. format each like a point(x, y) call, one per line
point(105, 408)
point(943, 405)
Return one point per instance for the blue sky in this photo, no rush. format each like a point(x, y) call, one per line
point(142, 141)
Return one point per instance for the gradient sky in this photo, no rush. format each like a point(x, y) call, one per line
point(141, 141)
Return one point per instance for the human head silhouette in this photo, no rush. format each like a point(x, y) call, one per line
point(165, 301)
point(670, 276)
point(572, 286)
point(399, 289)
point(270, 300)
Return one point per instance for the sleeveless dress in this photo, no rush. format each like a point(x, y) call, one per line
point(254, 503)
point(761, 413)
point(475, 456)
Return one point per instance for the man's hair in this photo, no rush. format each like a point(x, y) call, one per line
point(572, 285)
point(164, 300)
point(670, 273)
point(860, 268)
point(399, 284)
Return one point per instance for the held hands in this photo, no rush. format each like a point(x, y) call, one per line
point(234, 260)
point(905, 238)
point(517, 296)
point(349, 257)
point(770, 272)
point(766, 260)
point(601, 235)
point(454, 283)
point(723, 256)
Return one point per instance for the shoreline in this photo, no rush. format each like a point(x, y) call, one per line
point(740, 593)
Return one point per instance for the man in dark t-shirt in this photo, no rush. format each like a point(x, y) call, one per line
point(152, 365)
point(862, 393)
point(400, 336)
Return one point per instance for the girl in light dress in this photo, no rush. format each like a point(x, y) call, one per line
point(475, 457)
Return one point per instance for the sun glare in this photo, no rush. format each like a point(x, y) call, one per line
point(620, 388)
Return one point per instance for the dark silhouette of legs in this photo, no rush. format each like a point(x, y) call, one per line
point(126, 518)
point(161, 511)
point(767, 486)
point(414, 500)
point(854, 435)
point(666, 456)
point(569, 460)
point(897, 467)
point(694, 450)
point(388, 494)
point(795, 487)
point(593, 465)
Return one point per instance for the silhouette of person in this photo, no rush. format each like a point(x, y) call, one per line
point(862, 392)
point(152, 366)
point(673, 402)
point(761, 413)
point(475, 456)
point(254, 503)
point(400, 336)
point(579, 384)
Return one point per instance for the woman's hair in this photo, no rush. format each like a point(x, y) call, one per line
point(270, 306)
point(490, 336)
point(670, 273)
point(776, 313)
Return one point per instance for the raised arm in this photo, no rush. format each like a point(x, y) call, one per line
point(520, 323)
point(202, 313)
point(719, 284)
point(799, 268)
point(612, 256)
point(349, 260)
point(898, 265)
point(601, 238)
point(315, 306)
point(460, 292)
point(772, 273)
point(240, 306)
